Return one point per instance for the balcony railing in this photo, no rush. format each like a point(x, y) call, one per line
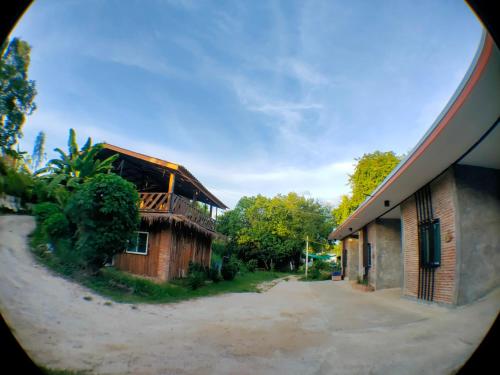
point(175, 204)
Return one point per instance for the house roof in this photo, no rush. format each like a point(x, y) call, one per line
point(139, 165)
point(472, 113)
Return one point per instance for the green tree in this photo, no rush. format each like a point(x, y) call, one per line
point(77, 165)
point(104, 209)
point(17, 93)
point(38, 156)
point(370, 170)
point(273, 230)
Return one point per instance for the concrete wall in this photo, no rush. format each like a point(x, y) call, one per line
point(478, 234)
point(351, 245)
point(387, 254)
point(384, 236)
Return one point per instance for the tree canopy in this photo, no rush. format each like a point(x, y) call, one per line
point(370, 170)
point(273, 230)
point(17, 92)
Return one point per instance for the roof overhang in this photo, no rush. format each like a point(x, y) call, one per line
point(472, 111)
point(156, 168)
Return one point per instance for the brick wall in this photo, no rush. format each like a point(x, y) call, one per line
point(442, 192)
point(442, 201)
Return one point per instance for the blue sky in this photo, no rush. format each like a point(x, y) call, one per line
point(251, 96)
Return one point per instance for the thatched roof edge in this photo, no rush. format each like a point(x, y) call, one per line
point(173, 219)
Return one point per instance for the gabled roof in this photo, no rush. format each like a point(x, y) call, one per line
point(188, 183)
point(472, 112)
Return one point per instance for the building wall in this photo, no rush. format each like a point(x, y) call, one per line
point(187, 245)
point(170, 249)
point(361, 269)
point(478, 220)
point(410, 247)
point(443, 203)
point(145, 265)
point(387, 254)
point(351, 245)
point(371, 231)
point(384, 236)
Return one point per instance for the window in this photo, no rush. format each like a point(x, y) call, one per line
point(139, 245)
point(430, 243)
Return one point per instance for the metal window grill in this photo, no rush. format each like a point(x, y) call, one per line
point(429, 243)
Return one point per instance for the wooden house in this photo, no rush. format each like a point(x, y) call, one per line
point(176, 211)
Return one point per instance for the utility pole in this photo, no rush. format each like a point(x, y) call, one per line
point(307, 254)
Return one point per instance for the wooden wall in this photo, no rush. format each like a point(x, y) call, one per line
point(170, 248)
point(146, 265)
point(188, 246)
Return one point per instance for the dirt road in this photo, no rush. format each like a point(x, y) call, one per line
point(293, 328)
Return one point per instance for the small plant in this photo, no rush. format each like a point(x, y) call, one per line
point(43, 210)
point(56, 226)
point(214, 274)
point(196, 280)
point(252, 265)
point(362, 281)
point(197, 274)
point(230, 268)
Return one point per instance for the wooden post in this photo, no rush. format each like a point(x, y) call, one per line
point(171, 185)
point(307, 254)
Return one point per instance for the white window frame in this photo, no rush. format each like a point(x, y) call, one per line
point(137, 244)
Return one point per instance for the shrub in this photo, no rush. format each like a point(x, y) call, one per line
point(196, 267)
point(252, 265)
point(196, 279)
point(56, 226)
point(104, 209)
point(43, 210)
point(18, 184)
point(214, 274)
point(314, 272)
point(229, 268)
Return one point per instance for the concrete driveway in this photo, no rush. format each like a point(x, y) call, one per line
point(293, 328)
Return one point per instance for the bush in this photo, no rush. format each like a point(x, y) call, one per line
point(314, 273)
point(18, 184)
point(56, 226)
point(214, 275)
point(42, 211)
point(252, 265)
point(104, 209)
point(196, 267)
point(196, 280)
point(197, 274)
point(230, 268)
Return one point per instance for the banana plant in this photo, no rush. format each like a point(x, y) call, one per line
point(74, 167)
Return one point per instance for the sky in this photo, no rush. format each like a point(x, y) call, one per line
point(253, 97)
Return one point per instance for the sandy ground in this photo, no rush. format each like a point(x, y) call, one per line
point(292, 328)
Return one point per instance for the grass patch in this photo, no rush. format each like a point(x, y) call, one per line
point(123, 287)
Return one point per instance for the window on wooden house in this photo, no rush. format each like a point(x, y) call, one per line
point(139, 245)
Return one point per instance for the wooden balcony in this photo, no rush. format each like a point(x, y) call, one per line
point(175, 204)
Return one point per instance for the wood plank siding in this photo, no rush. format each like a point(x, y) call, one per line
point(170, 248)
